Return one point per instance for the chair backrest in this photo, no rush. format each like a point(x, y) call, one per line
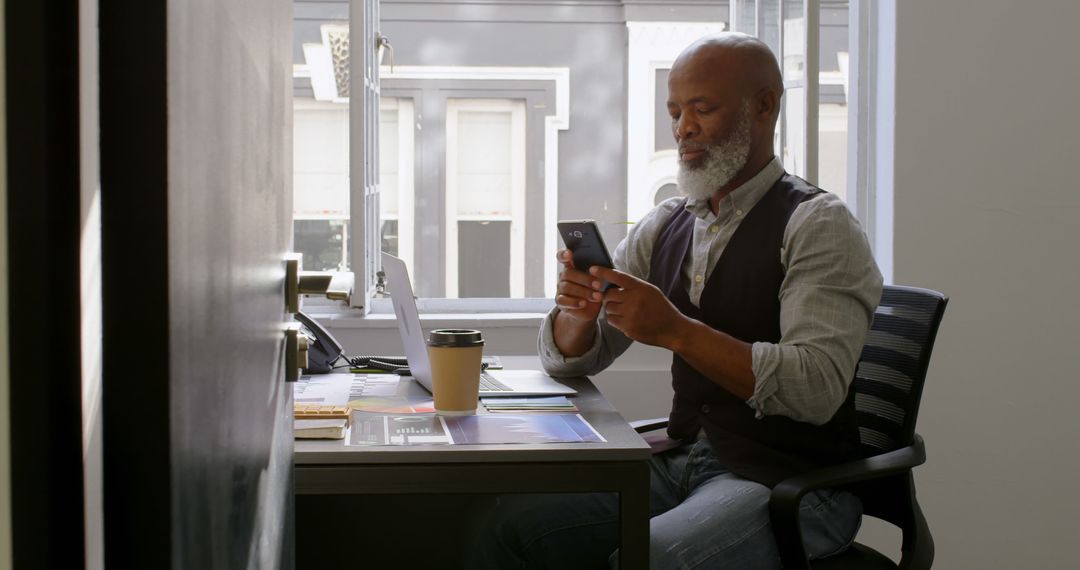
point(892, 369)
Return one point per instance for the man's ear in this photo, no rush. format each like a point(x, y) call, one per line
point(766, 103)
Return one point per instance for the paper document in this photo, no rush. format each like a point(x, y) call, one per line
point(386, 429)
point(522, 428)
point(373, 429)
point(338, 389)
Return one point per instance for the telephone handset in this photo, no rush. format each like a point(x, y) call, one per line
point(323, 349)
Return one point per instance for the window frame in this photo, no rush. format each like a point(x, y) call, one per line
point(559, 77)
point(863, 18)
point(364, 151)
point(516, 109)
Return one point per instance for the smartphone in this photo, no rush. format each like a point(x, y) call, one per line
point(583, 239)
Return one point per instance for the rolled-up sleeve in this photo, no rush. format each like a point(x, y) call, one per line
point(608, 344)
point(830, 289)
point(632, 257)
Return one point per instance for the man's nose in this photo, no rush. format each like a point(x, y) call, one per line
point(685, 129)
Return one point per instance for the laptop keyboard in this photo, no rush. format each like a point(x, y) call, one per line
point(489, 384)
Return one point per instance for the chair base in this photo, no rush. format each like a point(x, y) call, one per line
point(857, 557)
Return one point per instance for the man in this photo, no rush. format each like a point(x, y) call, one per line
point(763, 287)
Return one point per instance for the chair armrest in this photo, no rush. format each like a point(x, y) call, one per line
point(642, 426)
point(786, 496)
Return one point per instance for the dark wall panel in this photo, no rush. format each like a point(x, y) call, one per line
point(196, 179)
point(43, 224)
point(229, 212)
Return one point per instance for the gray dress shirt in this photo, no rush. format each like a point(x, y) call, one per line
point(830, 289)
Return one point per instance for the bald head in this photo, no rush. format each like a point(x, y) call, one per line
point(740, 63)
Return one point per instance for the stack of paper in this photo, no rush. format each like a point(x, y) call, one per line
point(319, 429)
point(529, 404)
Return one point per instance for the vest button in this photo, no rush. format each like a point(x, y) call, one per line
point(705, 408)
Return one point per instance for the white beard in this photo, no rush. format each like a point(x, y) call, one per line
point(723, 160)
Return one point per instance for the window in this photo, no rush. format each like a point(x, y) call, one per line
point(463, 157)
point(321, 184)
point(485, 198)
point(396, 170)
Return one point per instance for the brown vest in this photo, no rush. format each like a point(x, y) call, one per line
point(741, 298)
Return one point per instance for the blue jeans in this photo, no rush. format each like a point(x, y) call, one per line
point(703, 516)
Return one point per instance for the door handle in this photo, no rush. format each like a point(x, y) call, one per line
point(299, 283)
point(292, 282)
point(296, 352)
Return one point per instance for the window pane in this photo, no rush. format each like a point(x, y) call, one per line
point(483, 151)
point(389, 241)
point(794, 42)
point(320, 183)
point(388, 159)
point(745, 16)
point(483, 259)
point(485, 198)
point(388, 176)
point(320, 160)
point(662, 137)
point(768, 18)
point(794, 155)
point(833, 109)
point(323, 243)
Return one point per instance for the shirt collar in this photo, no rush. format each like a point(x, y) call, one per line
point(744, 197)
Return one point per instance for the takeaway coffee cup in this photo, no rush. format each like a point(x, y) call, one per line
point(455, 356)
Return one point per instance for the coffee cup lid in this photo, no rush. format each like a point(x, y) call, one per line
point(455, 337)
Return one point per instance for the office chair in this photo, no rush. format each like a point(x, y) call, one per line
point(888, 385)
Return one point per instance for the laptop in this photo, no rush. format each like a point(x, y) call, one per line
point(492, 382)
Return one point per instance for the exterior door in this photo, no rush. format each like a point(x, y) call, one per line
point(196, 211)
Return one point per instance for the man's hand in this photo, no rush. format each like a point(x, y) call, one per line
point(643, 313)
point(639, 309)
point(575, 296)
point(574, 329)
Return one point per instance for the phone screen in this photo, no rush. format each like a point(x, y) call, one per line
point(583, 239)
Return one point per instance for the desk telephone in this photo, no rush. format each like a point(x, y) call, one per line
point(324, 351)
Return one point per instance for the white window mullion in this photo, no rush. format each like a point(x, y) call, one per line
point(363, 148)
point(406, 183)
point(450, 254)
point(858, 115)
point(871, 122)
point(811, 19)
point(517, 197)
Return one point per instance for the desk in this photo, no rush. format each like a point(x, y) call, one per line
point(619, 465)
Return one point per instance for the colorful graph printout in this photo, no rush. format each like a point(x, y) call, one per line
point(521, 428)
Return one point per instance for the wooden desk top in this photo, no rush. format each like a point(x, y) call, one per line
point(623, 443)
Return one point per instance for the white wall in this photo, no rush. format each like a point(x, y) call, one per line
point(986, 135)
point(90, 287)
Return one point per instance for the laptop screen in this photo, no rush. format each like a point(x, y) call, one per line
point(408, 318)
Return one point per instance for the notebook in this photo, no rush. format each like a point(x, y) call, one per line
point(492, 382)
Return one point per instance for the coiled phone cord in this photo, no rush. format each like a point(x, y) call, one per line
point(387, 363)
